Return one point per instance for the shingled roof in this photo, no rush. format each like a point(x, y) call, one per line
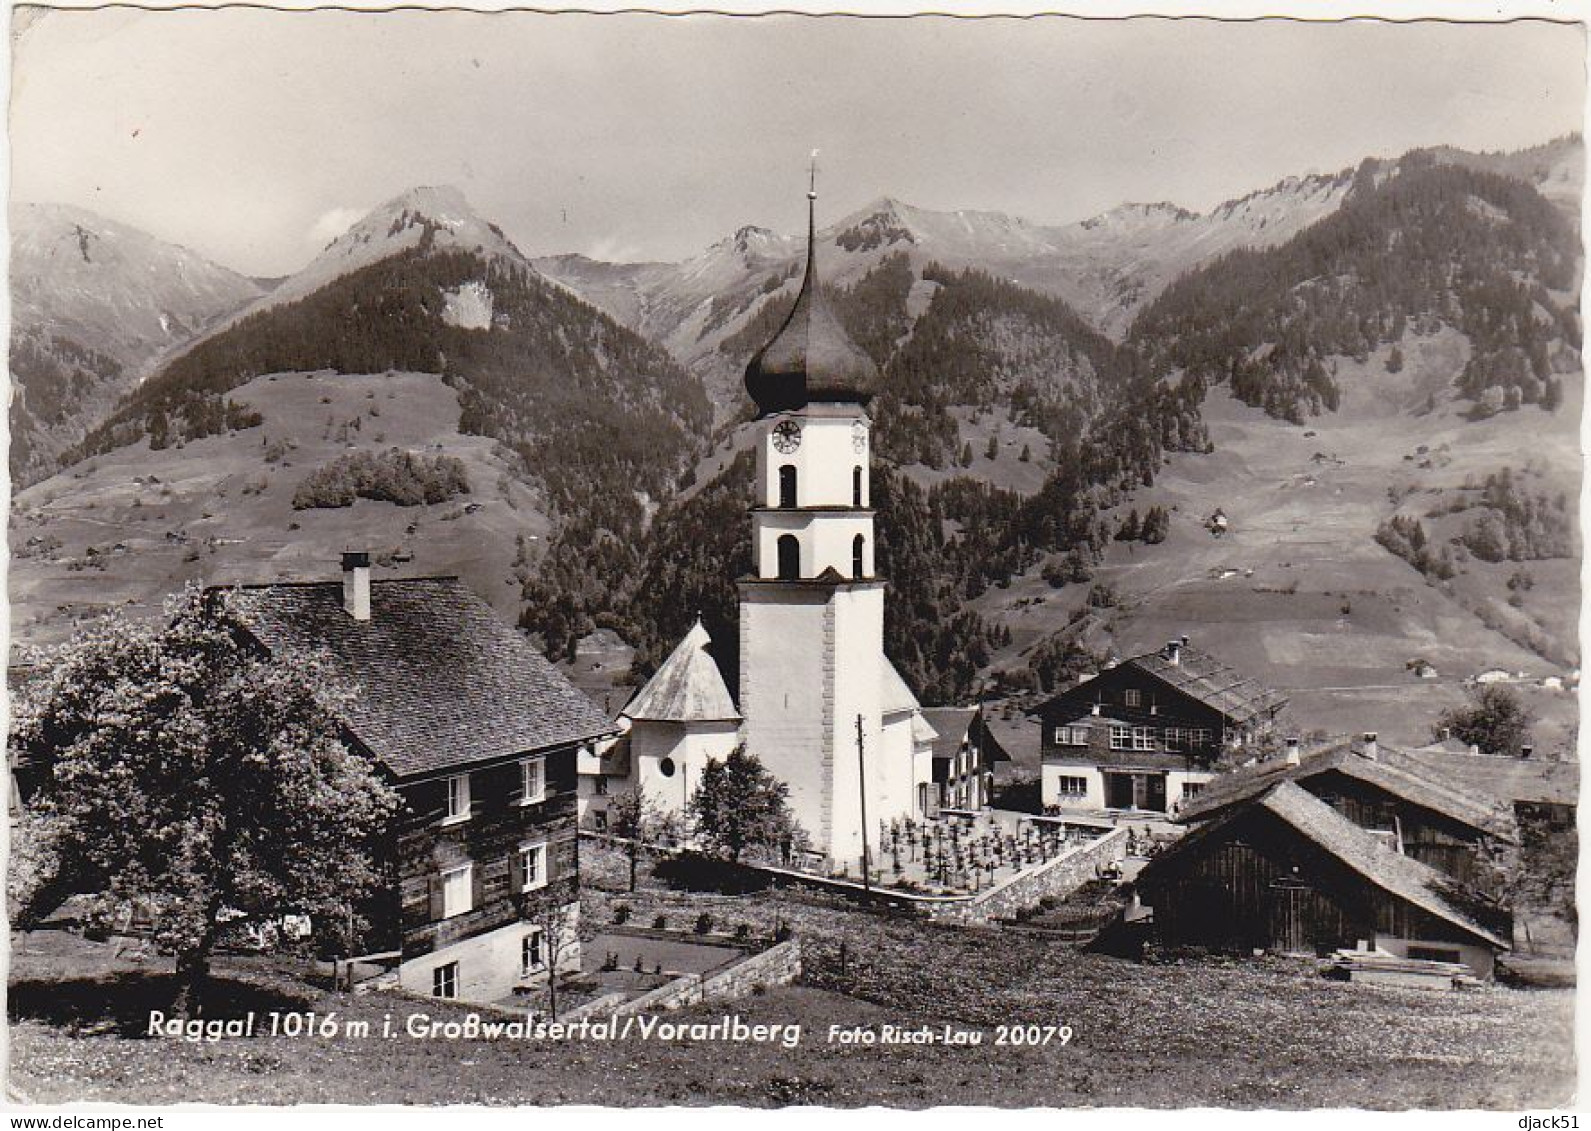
point(1368, 855)
point(1508, 780)
point(1211, 682)
point(687, 688)
point(951, 724)
point(439, 679)
point(1389, 771)
point(1358, 849)
point(896, 695)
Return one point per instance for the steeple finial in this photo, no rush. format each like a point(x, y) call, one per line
point(812, 178)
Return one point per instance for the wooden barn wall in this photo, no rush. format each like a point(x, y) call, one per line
point(1224, 894)
point(1442, 843)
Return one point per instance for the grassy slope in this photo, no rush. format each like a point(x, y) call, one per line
point(1305, 528)
point(1265, 1033)
point(207, 490)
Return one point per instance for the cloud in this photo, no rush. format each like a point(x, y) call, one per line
point(611, 249)
point(332, 224)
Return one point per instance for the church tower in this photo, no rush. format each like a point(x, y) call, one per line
point(812, 613)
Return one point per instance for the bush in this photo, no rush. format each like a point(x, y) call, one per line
point(704, 923)
point(660, 923)
point(393, 476)
point(621, 913)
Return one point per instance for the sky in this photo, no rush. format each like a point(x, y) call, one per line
point(255, 137)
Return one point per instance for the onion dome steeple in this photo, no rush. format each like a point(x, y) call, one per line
point(811, 358)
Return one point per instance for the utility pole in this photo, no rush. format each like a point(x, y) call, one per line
point(861, 767)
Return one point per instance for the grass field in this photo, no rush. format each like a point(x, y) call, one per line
point(1221, 1032)
point(219, 510)
point(1299, 594)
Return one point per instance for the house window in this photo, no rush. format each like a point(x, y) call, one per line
point(1175, 739)
point(458, 798)
point(599, 820)
point(787, 485)
point(456, 891)
point(1120, 737)
point(530, 958)
point(1143, 738)
point(789, 557)
point(1132, 697)
point(1073, 786)
point(532, 780)
point(1198, 736)
point(856, 486)
point(1192, 788)
point(600, 786)
point(1071, 736)
point(532, 866)
point(445, 980)
point(858, 544)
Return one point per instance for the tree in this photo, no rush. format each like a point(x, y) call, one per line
point(555, 913)
point(739, 805)
point(966, 454)
point(1496, 720)
point(993, 450)
point(183, 775)
point(634, 817)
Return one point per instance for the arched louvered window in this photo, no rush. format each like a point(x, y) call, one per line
point(789, 557)
point(787, 485)
point(858, 545)
point(856, 486)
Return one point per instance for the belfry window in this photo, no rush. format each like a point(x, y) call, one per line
point(856, 486)
point(858, 544)
point(787, 485)
point(789, 557)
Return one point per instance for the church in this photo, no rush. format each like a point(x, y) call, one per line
point(821, 706)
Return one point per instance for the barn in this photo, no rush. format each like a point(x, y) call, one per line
point(1455, 830)
point(1285, 872)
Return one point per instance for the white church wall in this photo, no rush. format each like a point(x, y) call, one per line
point(785, 694)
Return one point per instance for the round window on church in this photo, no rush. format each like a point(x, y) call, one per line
point(666, 767)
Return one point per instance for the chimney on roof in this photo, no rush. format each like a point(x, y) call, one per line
point(1294, 755)
point(1173, 652)
point(1526, 750)
point(1445, 734)
point(1184, 639)
point(1370, 749)
point(356, 584)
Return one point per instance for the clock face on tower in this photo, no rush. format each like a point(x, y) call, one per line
point(787, 436)
point(859, 437)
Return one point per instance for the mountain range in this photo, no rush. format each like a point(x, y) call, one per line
point(1039, 382)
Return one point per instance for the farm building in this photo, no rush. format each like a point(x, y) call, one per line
point(1287, 873)
point(964, 755)
point(1144, 734)
point(1443, 825)
point(1540, 785)
point(479, 734)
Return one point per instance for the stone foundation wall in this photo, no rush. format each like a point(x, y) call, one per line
point(1058, 877)
point(777, 966)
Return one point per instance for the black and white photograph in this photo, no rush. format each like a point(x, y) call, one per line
point(644, 560)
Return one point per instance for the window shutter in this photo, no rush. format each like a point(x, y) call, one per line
point(477, 887)
point(516, 872)
point(434, 897)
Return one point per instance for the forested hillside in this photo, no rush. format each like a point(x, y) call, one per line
point(980, 343)
point(1413, 248)
point(604, 420)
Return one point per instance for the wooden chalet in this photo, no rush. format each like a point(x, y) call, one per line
point(479, 734)
point(1144, 734)
point(1384, 791)
point(1285, 872)
point(964, 754)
